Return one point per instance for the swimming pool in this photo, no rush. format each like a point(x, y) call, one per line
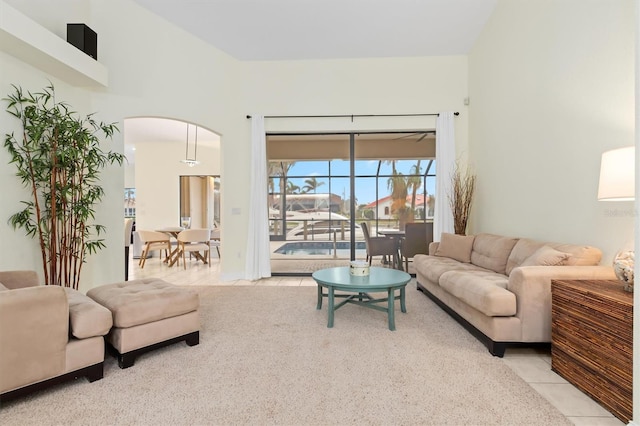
point(320, 248)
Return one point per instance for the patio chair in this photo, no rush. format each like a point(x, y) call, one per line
point(378, 246)
point(416, 241)
point(194, 241)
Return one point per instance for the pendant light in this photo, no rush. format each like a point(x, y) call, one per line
point(191, 162)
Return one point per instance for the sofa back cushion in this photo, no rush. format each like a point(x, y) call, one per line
point(524, 248)
point(457, 247)
point(19, 279)
point(546, 256)
point(492, 251)
point(579, 255)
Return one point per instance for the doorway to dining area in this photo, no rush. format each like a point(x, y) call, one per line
point(162, 153)
point(323, 187)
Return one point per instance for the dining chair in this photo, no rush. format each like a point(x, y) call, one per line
point(214, 240)
point(128, 228)
point(378, 246)
point(417, 238)
point(194, 241)
point(153, 240)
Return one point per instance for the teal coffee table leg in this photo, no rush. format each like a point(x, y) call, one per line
point(330, 308)
point(319, 305)
point(403, 307)
point(390, 309)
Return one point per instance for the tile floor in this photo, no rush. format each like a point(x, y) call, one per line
point(534, 366)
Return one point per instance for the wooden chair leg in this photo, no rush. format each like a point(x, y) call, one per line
point(143, 256)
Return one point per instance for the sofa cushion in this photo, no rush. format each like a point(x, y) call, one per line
point(580, 255)
point(546, 256)
point(432, 267)
point(524, 248)
point(86, 317)
point(19, 279)
point(457, 247)
point(492, 251)
point(484, 291)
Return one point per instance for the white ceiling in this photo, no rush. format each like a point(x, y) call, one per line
point(324, 29)
point(142, 130)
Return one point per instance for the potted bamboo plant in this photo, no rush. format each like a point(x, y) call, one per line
point(58, 156)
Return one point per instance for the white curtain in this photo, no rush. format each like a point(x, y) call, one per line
point(445, 161)
point(258, 263)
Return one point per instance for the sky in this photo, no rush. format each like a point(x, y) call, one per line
point(365, 172)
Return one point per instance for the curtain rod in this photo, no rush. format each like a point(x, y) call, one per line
point(352, 115)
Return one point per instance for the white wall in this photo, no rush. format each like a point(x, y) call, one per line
point(551, 87)
point(19, 251)
point(358, 86)
point(146, 60)
point(157, 183)
point(544, 105)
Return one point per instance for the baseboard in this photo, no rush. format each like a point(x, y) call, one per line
point(495, 348)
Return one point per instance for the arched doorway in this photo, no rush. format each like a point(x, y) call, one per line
point(157, 150)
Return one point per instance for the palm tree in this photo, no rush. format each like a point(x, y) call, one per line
point(279, 169)
point(397, 185)
point(311, 184)
point(292, 188)
point(414, 182)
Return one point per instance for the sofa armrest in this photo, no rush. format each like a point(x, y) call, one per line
point(34, 331)
point(532, 287)
point(18, 279)
point(433, 246)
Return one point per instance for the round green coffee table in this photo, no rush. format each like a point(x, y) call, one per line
point(379, 280)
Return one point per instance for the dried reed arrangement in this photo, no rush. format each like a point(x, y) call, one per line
point(463, 185)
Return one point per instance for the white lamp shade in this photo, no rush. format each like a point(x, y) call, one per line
point(617, 175)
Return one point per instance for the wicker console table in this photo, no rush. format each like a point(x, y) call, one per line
point(592, 340)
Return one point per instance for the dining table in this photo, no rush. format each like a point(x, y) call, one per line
point(396, 235)
point(173, 232)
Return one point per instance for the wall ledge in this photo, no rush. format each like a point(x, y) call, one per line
point(33, 44)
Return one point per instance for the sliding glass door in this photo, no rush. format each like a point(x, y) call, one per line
point(322, 187)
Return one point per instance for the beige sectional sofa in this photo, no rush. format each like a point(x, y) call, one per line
point(47, 334)
point(499, 287)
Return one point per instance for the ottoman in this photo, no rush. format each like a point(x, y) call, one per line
point(147, 314)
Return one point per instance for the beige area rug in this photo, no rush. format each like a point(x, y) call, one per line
point(267, 357)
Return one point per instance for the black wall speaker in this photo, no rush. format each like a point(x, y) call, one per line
point(84, 38)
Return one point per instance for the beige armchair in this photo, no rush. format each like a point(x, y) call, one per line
point(48, 334)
